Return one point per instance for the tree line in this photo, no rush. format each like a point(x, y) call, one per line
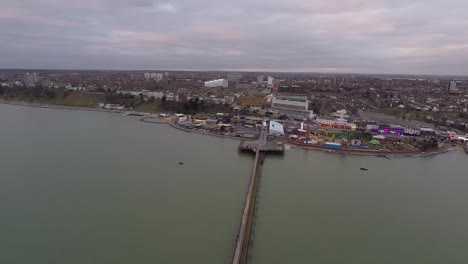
point(193, 106)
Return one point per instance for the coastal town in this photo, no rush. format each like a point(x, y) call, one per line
point(368, 115)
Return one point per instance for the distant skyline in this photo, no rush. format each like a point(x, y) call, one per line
point(327, 36)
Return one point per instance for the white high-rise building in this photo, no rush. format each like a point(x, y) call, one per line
point(30, 79)
point(154, 76)
point(270, 80)
point(452, 87)
point(217, 83)
point(159, 77)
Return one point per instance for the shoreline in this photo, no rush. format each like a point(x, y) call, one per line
point(172, 124)
point(383, 154)
point(157, 120)
point(55, 106)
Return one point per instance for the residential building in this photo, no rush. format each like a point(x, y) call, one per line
point(217, 83)
point(260, 79)
point(289, 80)
point(46, 83)
point(234, 77)
point(452, 87)
point(345, 82)
point(30, 79)
point(270, 80)
point(159, 77)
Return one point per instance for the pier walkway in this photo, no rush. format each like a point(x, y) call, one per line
point(260, 147)
point(262, 144)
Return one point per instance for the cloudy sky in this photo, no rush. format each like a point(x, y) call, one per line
point(368, 36)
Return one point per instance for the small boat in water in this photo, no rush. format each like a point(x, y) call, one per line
point(181, 163)
point(364, 169)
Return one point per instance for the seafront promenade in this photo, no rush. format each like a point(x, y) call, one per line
point(356, 152)
point(173, 124)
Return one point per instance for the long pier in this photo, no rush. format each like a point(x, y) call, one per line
point(243, 237)
point(260, 148)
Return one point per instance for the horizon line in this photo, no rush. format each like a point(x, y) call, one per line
point(232, 71)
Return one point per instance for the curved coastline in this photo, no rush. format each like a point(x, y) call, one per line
point(172, 124)
point(370, 153)
point(158, 121)
point(55, 106)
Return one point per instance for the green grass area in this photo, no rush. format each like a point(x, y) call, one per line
point(72, 99)
point(150, 107)
point(417, 115)
point(79, 99)
point(364, 100)
point(407, 114)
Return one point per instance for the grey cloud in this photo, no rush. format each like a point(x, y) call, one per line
point(400, 36)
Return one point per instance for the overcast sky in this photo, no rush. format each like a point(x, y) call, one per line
point(380, 36)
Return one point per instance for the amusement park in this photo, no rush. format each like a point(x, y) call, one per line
point(341, 135)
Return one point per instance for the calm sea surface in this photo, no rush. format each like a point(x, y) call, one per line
point(90, 187)
point(321, 208)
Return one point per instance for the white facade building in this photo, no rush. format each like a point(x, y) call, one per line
point(154, 76)
point(159, 77)
point(156, 95)
point(270, 80)
point(292, 106)
point(275, 129)
point(146, 93)
point(217, 83)
point(452, 87)
point(30, 79)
